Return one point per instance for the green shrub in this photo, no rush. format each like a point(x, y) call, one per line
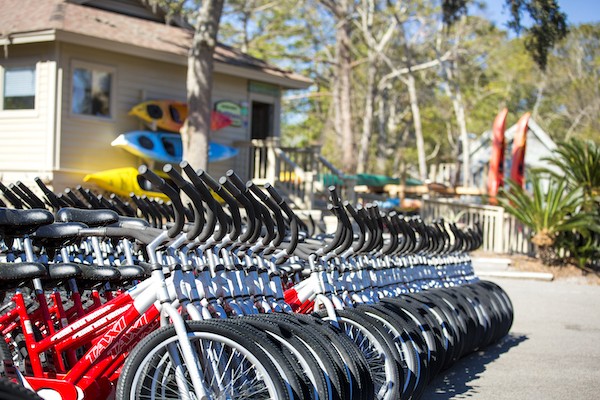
point(549, 213)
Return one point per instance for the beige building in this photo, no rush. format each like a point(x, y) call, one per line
point(57, 52)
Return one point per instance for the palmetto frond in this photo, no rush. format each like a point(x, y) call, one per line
point(579, 161)
point(549, 210)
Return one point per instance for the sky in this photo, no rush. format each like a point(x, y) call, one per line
point(578, 11)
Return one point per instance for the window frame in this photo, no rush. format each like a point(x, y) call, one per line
point(92, 66)
point(24, 112)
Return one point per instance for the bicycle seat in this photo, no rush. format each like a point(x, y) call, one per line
point(57, 234)
point(16, 274)
point(58, 272)
point(92, 218)
point(131, 222)
point(131, 272)
point(99, 273)
point(23, 222)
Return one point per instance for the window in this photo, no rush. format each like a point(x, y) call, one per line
point(19, 88)
point(92, 89)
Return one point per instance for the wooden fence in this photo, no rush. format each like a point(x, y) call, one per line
point(502, 233)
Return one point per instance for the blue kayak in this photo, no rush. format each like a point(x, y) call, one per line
point(166, 147)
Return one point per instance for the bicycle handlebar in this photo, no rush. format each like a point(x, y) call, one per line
point(171, 194)
point(228, 198)
point(189, 190)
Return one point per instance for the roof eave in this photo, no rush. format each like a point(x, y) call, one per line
point(47, 35)
point(275, 77)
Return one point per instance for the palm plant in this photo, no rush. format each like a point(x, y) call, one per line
point(548, 212)
point(579, 161)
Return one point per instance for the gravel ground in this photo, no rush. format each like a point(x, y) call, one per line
point(552, 351)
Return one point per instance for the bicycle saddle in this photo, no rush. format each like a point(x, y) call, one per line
point(131, 222)
point(130, 272)
point(57, 234)
point(92, 218)
point(16, 274)
point(58, 272)
point(23, 222)
point(99, 273)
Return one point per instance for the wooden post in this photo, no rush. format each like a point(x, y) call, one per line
point(272, 166)
point(499, 234)
point(309, 193)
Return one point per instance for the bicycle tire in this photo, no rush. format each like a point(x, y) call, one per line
point(10, 390)
point(408, 345)
point(379, 351)
point(139, 370)
point(317, 380)
point(430, 333)
point(348, 354)
point(283, 360)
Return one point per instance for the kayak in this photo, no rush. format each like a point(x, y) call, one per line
point(170, 115)
point(124, 181)
point(166, 147)
point(496, 170)
point(517, 170)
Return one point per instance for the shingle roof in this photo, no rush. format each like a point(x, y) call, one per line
point(22, 17)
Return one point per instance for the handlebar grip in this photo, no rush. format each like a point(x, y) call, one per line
point(152, 177)
point(335, 199)
point(235, 192)
point(236, 180)
point(256, 191)
point(171, 194)
point(11, 197)
point(274, 193)
point(208, 180)
point(48, 193)
point(32, 195)
point(175, 176)
point(217, 188)
point(187, 168)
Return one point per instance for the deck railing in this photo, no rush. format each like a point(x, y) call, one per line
point(329, 175)
point(502, 233)
point(302, 174)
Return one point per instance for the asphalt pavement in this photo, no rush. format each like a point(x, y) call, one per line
point(552, 351)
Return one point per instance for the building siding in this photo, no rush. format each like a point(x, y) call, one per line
point(26, 136)
point(60, 147)
point(85, 141)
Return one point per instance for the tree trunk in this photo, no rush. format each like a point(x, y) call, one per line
point(452, 88)
point(367, 131)
point(344, 75)
point(459, 111)
point(196, 131)
point(539, 96)
point(386, 113)
point(416, 116)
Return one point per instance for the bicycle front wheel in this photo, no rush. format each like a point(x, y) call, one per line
point(231, 365)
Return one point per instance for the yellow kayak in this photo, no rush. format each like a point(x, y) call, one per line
point(123, 181)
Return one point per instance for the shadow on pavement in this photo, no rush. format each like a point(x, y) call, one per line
point(455, 381)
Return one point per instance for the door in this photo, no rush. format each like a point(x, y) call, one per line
point(261, 128)
point(262, 120)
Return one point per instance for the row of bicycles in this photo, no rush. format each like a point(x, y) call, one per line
point(225, 293)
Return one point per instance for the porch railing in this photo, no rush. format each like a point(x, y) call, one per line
point(502, 233)
point(329, 175)
point(302, 174)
